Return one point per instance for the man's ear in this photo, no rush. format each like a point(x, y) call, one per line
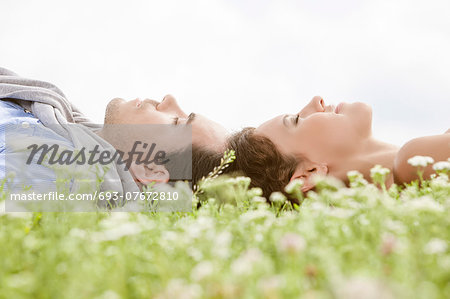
point(306, 170)
point(147, 173)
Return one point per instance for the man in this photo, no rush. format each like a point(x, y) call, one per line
point(36, 110)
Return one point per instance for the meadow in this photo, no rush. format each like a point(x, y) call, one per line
point(362, 241)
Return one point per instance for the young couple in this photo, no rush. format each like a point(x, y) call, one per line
point(319, 139)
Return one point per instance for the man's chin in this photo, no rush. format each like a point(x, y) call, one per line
point(112, 109)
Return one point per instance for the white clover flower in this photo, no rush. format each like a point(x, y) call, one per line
point(318, 206)
point(115, 233)
point(255, 191)
point(242, 179)
point(194, 253)
point(395, 226)
point(326, 182)
point(363, 220)
point(356, 178)
point(277, 197)
point(367, 288)
point(347, 192)
point(78, 233)
point(340, 212)
point(145, 222)
point(294, 185)
point(244, 264)
point(255, 214)
point(292, 243)
point(420, 161)
point(22, 215)
point(435, 246)
point(169, 236)
point(441, 166)
point(259, 237)
point(425, 203)
point(222, 243)
point(354, 174)
point(178, 289)
point(193, 230)
point(270, 285)
point(205, 222)
point(109, 294)
point(258, 200)
point(115, 219)
point(440, 181)
point(202, 270)
point(379, 170)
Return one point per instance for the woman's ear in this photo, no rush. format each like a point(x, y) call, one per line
point(305, 172)
point(147, 173)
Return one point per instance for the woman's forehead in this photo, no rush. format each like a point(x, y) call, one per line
point(270, 126)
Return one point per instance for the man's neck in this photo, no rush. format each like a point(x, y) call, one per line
point(370, 153)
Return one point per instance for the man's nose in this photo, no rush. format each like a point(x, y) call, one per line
point(170, 104)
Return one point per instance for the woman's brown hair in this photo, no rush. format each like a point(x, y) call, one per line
point(258, 158)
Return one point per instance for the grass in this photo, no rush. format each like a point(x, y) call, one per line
point(358, 242)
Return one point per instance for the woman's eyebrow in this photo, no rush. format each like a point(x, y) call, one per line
point(285, 120)
point(190, 118)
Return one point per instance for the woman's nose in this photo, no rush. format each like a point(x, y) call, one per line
point(317, 104)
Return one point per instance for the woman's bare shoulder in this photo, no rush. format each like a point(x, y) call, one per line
point(435, 146)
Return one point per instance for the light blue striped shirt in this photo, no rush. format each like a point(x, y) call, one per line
point(19, 125)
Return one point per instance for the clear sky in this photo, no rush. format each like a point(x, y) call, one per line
point(242, 62)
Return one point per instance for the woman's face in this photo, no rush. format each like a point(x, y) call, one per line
point(318, 132)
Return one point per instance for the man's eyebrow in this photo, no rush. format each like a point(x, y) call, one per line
point(190, 118)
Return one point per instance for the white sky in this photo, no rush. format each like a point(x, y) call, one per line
point(242, 62)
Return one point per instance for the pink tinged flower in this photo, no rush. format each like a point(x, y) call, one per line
point(292, 243)
point(244, 264)
point(388, 244)
point(367, 288)
point(202, 270)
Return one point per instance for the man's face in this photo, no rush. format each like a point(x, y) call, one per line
point(205, 132)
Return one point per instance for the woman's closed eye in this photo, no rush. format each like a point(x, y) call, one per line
point(295, 119)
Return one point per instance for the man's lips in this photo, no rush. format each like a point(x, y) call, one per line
point(139, 102)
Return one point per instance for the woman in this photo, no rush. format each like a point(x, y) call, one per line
point(327, 140)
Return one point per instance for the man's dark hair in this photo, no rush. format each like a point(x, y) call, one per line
point(258, 158)
point(203, 162)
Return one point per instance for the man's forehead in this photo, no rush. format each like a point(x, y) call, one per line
point(208, 133)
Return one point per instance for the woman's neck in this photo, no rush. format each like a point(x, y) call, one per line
point(367, 154)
